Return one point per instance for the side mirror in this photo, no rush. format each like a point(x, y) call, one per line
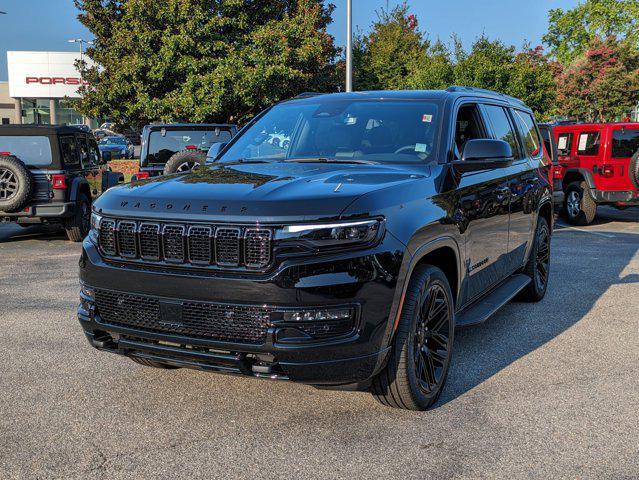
point(484, 154)
point(214, 152)
point(106, 157)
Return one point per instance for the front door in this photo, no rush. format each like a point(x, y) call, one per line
point(481, 202)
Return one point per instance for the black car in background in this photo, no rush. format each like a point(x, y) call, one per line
point(51, 175)
point(177, 147)
point(343, 255)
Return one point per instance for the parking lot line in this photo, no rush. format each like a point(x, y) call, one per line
point(569, 227)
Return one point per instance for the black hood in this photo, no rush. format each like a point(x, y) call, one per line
point(255, 192)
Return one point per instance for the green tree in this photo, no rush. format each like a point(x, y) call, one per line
point(391, 53)
point(602, 84)
point(570, 32)
point(203, 60)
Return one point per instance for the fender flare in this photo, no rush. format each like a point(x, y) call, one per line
point(76, 186)
point(585, 173)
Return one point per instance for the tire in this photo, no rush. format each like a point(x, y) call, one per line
point(151, 363)
point(634, 170)
point(77, 227)
point(538, 266)
point(579, 206)
point(16, 184)
point(184, 161)
point(414, 377)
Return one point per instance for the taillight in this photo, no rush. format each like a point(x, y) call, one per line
point(143, 175)
point(191, 147)
point(59, 182)
point(557, 172)
point(5, 153)
point(607, 171)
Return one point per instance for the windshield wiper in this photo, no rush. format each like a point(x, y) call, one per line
point(242, 161)
point(331, 160)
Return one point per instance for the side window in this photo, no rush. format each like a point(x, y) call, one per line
point(529, 133)
point(468, 126)
point(625, 143)
point(502, 128)
point(589, 143)
point(564, 144)
point(84, 151)
point(94, 155)
point(69, 151)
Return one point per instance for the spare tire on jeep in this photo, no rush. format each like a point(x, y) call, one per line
point(184, 161)
point(634, 169)
point(16, 184)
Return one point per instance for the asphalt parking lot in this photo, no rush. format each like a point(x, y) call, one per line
point(545, 390)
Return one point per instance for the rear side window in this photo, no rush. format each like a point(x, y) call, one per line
point(69, 150)
point(589, 143)
point(529, 133)
point(32, 150)
point(84, 151)
point(625, 143)
point(564, 144)
point(502, 127)
point(94, 156)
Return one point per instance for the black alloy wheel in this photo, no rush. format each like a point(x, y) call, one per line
point(418, 364)
point(538, 266)
point(8, 184)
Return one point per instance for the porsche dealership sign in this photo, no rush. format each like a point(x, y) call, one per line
point(44, 74)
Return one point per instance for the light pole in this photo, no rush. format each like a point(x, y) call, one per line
point(349, 45)
point(81, 42)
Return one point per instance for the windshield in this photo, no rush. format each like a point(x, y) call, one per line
point(113, 141)
point(381, 131)
point(32, 150)
point(164, 143)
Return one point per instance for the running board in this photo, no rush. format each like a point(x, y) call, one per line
point(486, 307)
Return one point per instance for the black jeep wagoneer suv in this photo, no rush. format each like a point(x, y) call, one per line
point(341, 256)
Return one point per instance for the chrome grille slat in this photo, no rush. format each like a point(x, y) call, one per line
point(126, 233)
point(223, 246)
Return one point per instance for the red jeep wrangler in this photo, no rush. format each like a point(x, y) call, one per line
point(598, 164)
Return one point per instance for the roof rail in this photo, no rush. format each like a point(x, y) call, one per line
point(484, 91)
point(308, 94)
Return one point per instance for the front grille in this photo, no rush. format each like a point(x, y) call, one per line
point(214, 321)
point(224, 246)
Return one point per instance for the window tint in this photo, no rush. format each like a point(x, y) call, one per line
point(69, 150)
point(588, 143)
point(468, 126)
point(625, 143)
point(162, 147)
point(529, 133)
point(502, 128)
point(84, 151)
point(564, 144)
point(94, 156)
point(32, 150)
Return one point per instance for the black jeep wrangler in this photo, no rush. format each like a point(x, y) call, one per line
point(51, 174)
point(342, 256)
point(178, 147)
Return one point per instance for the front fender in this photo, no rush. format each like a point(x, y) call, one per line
point(76, 187)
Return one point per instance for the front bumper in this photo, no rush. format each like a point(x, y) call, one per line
point(365, 279)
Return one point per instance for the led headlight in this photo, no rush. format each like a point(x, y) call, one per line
point(333, 234)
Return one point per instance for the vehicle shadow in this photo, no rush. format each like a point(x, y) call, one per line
point(581, 273)
point(607, 215)
point(15, 233)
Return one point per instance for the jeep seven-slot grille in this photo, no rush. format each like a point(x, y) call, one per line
point(215, 321)
point(200, 245)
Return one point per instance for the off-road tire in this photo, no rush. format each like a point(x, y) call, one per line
point(78, 226)
point(16, 184)
point(585, 211)
point(538, 266)
point(634, 170)
point(177, 162)
point(398, 385)
point(151, 363)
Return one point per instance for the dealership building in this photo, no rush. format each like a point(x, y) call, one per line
point(41, 88)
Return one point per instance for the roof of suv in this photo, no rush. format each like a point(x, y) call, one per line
point(454, 91)
point(38, 130)
point(189, 125)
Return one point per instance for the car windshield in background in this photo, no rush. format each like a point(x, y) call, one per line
point(164, 143)
point(380, 131)
point(32, 150)
point(113, 141)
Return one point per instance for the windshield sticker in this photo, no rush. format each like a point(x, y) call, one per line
point(426, 118)
point(563, 143)
point(583, 141)
point(421, 148)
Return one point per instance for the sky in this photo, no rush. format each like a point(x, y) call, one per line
point(47, 25)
